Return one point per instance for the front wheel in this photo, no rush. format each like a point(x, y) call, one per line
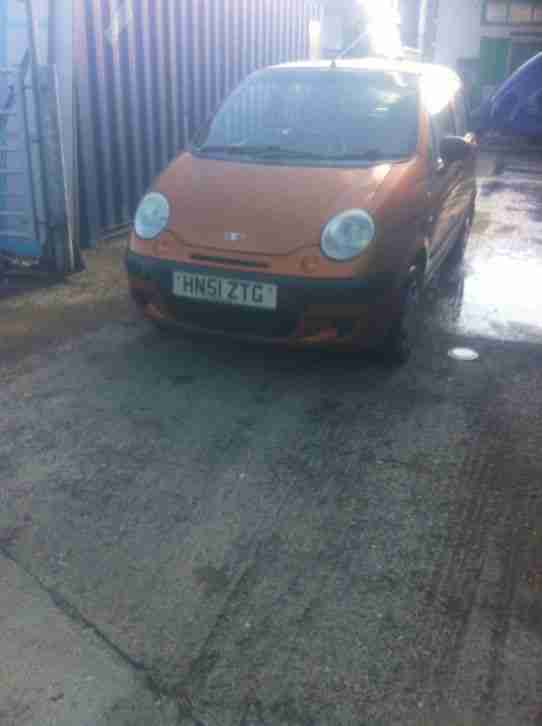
point(403, 335)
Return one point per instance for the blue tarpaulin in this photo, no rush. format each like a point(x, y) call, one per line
point(516, 107)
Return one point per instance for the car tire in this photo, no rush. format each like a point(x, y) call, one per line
point(404, 332)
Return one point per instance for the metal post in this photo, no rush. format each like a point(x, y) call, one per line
point(428, 28)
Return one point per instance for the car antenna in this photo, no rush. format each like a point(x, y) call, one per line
point(333, 65)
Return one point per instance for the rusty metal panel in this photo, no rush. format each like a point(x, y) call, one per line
point(150, 72)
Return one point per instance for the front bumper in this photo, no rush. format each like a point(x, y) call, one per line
point(309, 311)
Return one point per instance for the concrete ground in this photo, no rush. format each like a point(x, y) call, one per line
point(57, 672)
point(278, 539)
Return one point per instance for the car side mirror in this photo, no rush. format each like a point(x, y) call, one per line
point(454, 148)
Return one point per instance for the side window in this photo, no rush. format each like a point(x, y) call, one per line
point(445, 123)
point(461, 120)
point(441, 125)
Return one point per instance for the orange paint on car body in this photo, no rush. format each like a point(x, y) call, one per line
point(257, 221)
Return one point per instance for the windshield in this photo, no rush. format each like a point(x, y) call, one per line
point(320, 115)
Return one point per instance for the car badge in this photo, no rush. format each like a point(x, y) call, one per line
point(234, 236)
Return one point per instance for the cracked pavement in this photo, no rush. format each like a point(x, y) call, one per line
point(294, 539)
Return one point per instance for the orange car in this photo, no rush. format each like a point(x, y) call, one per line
point(312, 208)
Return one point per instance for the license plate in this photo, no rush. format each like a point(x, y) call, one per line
point(225, 290)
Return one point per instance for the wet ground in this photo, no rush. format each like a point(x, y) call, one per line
point(497, 293)
point(295, 540)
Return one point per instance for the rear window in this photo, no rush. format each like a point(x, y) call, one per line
point(325, 114)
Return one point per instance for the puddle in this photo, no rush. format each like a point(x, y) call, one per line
point(497, 292)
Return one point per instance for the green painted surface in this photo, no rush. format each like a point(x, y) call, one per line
point(522, 52)
point(493, 60)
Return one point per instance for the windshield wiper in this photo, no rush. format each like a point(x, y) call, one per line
point(269, 150)
point(223, 149)
point(284, 151)
point(277, 151)
point(232, 149)
point(369, 155)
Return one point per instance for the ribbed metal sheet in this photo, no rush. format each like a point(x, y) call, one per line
point(149, 72)
point(3, 32)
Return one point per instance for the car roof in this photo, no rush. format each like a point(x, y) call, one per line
point(389, 65)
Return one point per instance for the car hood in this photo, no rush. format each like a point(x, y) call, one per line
point(270, 209)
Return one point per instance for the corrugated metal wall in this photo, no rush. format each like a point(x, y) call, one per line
point(149, 72)
point(3, 32)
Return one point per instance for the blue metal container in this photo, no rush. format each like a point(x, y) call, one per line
point(3, 32)
point(149, 72)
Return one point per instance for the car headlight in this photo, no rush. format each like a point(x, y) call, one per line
point(347, 235)
point(152, 216)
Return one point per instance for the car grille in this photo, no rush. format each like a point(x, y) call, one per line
point(230, 261)
point(235, 320)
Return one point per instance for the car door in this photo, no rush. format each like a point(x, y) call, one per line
point(465, 190)
point(442, 182)
point(453, 184)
